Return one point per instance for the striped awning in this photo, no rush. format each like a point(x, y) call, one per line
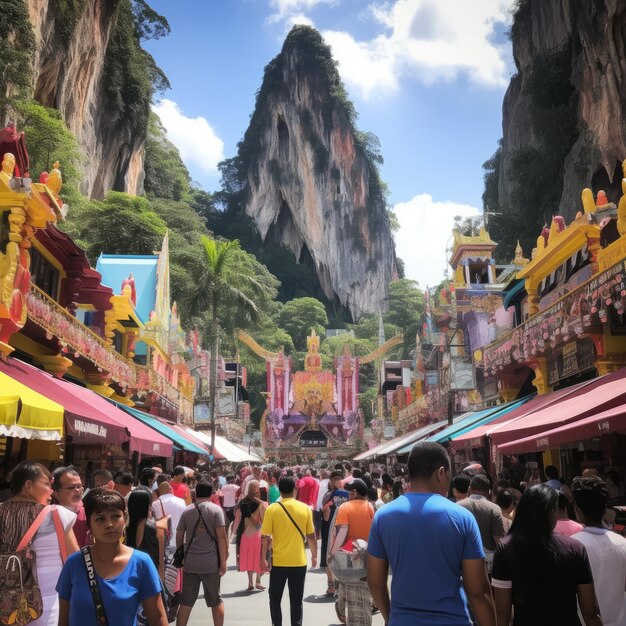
point(26, 414)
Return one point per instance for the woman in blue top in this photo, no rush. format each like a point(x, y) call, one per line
point(125, 577)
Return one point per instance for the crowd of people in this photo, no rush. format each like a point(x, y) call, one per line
point(122, 549)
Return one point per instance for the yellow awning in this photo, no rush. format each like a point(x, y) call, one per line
point(27, 414)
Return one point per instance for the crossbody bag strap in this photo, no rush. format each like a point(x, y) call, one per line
point(58, 526)
point(193, 536)
point(217, 546)
point(162, 507)
point(282, 506)
point(33, 528)
point(94, 587)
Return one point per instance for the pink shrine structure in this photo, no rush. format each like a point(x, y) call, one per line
point(312, 412)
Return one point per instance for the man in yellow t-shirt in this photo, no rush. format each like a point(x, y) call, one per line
point(288, 522)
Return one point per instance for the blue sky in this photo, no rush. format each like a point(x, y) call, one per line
point(426, 76)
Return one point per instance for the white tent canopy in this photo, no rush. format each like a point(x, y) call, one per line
point(229, 450)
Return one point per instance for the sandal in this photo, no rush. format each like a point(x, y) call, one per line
point(330, 590)
point(260, 587)
point(250, 588)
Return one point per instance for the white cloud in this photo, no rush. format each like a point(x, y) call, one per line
point(287, 9)
point(292, 20)
point(200, 147)
point(425, 233)
point(428, 39)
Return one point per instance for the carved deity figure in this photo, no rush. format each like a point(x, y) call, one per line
point(130, 283)
point(313, 361)
point(279, 382)
point(347, 395)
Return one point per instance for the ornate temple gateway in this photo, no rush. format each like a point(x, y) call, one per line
point(313, 413)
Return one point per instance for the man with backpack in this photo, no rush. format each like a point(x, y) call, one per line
point(289, 523)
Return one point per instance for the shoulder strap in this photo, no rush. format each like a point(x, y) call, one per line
point(58, 526)
point(33, 528)
point(282, 506)
point(162, 507)
point(94, 587)
point(217, 547)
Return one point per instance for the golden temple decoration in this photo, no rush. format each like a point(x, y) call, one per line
point(380, 351)
point(313, 360)
point(519, 256)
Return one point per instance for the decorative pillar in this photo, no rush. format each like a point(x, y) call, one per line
point(533, 298)
point(540, 366)
point(57, 364)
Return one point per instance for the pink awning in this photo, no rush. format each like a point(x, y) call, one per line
point(189, 437)
point(474, 438)
point(611, 421)
point(601, 394)
point(89, 417)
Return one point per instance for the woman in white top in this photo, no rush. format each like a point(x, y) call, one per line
point(30, 486)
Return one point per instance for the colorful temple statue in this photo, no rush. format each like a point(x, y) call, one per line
point(130, 284)
point(313, 361)
point(12, 141)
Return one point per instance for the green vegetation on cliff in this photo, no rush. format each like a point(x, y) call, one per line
point(536, 171)
point(131, 75)
point(17, 47)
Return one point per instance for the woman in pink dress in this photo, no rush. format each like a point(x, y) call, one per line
point(248, 520)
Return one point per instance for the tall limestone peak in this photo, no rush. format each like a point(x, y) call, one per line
point(311, 179)
point(563, 116)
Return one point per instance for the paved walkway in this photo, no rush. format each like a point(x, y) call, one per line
point(251, 608)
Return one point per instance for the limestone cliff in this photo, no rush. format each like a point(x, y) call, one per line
point(311, 180)
point(579, 45)
point(75, 68)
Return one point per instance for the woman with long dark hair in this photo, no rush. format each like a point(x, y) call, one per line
point(540, 574)
point(142, 532)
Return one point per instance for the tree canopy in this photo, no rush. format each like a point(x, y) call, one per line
point(301, 315)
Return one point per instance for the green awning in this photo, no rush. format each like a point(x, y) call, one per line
point(176, 438)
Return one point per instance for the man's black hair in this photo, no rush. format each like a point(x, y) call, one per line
point(59, 472)
point(480, 483)
point(461, 483)
point(357, 473)
point(505, 498)
point(563, 501)
point(286, 485)
point(425, 459)
point(204, 488)
point(591, 496)
point(178, 470)
point(336, 474)
point(123, 477)
point(147, 476)
point(551, 472)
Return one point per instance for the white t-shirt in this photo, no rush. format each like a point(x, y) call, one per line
point(607, 556)
point(230, 495)
point(322, 492)
point(49, 564)
point(169, 504)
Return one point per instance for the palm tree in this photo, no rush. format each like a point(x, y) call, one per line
point(222, 281)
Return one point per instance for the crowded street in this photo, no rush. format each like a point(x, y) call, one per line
point(312, 312)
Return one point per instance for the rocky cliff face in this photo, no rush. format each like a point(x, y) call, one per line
point(69, 75)
point(589, 38)
point(311, 184)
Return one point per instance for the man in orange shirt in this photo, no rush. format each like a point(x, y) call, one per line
point(353, 521)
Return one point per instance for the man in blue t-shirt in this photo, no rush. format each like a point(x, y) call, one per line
point(434, 549)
